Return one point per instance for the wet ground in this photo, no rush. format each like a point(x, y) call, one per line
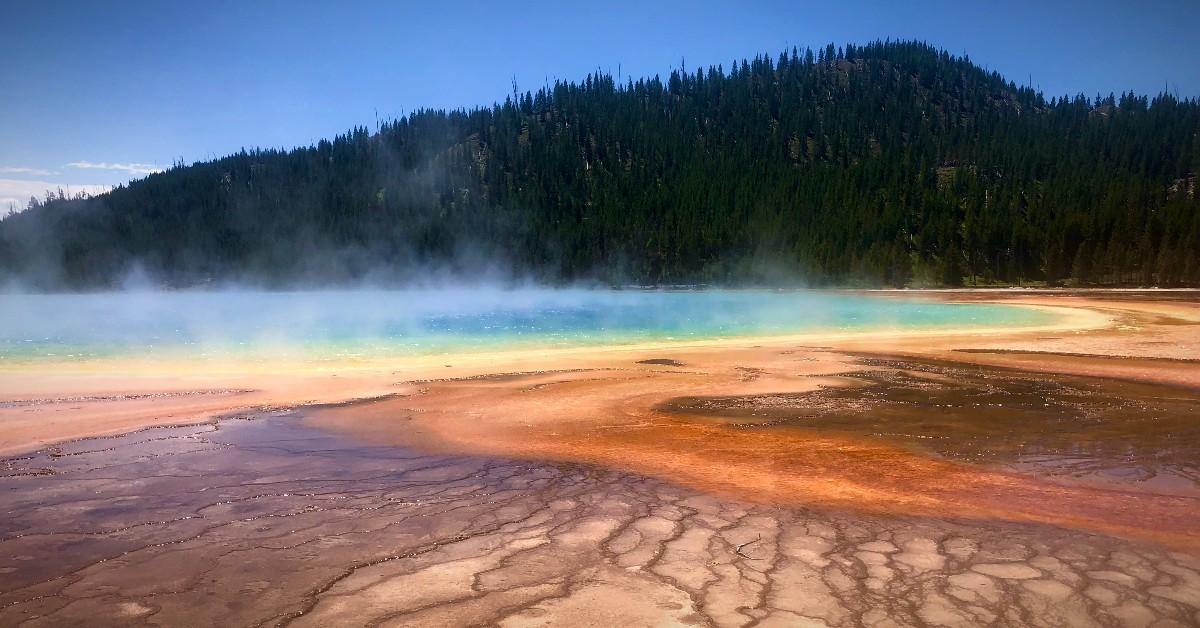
point(262, 520)
point(1067, 428)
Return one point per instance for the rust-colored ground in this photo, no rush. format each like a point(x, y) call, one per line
point(854, 452)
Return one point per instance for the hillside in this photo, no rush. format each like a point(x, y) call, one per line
point(885, 164)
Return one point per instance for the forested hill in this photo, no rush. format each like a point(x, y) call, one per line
point(884, 164)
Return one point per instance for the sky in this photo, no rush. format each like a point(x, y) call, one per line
point(95, 94)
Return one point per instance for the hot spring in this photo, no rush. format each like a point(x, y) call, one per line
point(370, 326)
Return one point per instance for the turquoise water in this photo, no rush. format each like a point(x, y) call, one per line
point(379, 324)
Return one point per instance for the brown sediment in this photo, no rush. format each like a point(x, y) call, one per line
point(1068, 354)
point(1064, 427)
point(661, 362)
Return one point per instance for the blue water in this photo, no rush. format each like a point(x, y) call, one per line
point(381, 324)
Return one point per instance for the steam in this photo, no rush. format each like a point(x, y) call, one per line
point(83, 244)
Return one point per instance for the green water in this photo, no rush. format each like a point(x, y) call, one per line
point(369, 324)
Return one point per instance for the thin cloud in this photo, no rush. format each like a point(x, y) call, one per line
point(15, 193)
point(131, 168)
point(35, 172)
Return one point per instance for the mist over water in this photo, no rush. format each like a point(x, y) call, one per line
point(373, 324)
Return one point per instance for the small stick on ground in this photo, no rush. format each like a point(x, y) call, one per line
point(738, 550)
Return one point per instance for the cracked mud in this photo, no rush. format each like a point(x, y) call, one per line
point(264, 521)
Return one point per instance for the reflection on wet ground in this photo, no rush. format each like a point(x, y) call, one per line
point(1064, 427)
point(260, 520)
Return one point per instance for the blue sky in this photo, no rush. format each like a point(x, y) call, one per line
point(93, 94)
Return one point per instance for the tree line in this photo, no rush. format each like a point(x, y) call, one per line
point(891, 163)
